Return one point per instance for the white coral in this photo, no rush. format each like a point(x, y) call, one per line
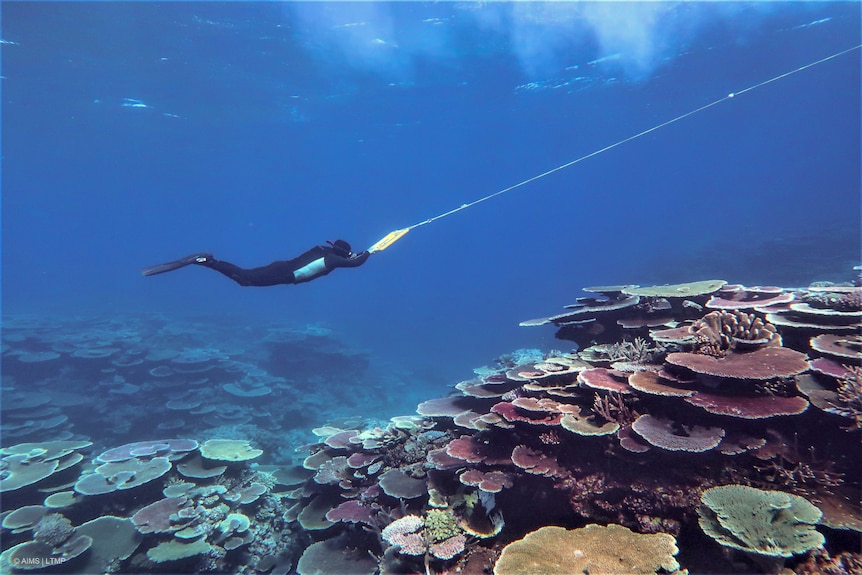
point(396, 530)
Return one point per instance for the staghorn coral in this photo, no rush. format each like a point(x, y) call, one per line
point(638, 350)
point(614, 407)
point(820, 562)
point(551, 437)
point(801, 471)
point(850, 395)
point(798, 475)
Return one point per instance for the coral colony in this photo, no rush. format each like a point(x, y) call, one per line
point(703, 426)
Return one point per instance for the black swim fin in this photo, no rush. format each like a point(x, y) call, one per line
point(175, 265)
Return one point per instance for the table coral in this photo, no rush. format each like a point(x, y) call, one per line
point(591, 549)
point(673, 436)
point(175, 550)
point(763, 363)
point(229, 450)
point(770, 523)
point(159, 516)
point(122, 475)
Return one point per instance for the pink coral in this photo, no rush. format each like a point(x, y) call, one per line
point(606, 379)
point(763, 363)
point(491, 482)
point(748, 407)
point(536, 462)
point(470, 450)
point(341, 440)
point(510, 412)
point(162, 447)
point(439, 459)
point(352, 512)
point(156, 517)
point(673, 436)
point(736, 296)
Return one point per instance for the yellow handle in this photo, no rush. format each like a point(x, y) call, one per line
point(388, 240)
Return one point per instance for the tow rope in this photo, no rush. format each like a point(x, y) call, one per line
point(396, 235)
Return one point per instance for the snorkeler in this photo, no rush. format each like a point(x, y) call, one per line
point(316, 262)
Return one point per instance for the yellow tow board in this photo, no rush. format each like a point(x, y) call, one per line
point(388, 240)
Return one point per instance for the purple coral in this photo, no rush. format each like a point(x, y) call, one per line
point(163, 447)
point(672, 436)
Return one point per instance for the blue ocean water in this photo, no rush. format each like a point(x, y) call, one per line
point(136, 133)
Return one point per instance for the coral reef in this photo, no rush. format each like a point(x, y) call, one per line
point(215, 523)
point(705, 426)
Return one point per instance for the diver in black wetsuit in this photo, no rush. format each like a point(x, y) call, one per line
point(316, 262)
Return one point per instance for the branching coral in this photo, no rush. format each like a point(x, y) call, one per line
point(638, 350)
point(820, 562)
point(798, 475)
point(800, 470)
point(850, 395)
point(441, 524)
point(614, 407)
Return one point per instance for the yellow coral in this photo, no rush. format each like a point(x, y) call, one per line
point(229, 450)
point(611, 549)
point(441, 524)
point(175, 550)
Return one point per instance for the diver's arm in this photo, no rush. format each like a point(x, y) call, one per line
point(335, 261)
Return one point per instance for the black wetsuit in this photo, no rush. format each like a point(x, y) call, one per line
point(316, 262)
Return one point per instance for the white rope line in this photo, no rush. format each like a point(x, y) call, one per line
point(634, 137)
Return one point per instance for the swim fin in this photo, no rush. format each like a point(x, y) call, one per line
point(175, 265)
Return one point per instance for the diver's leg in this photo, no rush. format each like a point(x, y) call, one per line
point(273, 274)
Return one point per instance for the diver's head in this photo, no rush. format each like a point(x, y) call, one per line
point(341, 248)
